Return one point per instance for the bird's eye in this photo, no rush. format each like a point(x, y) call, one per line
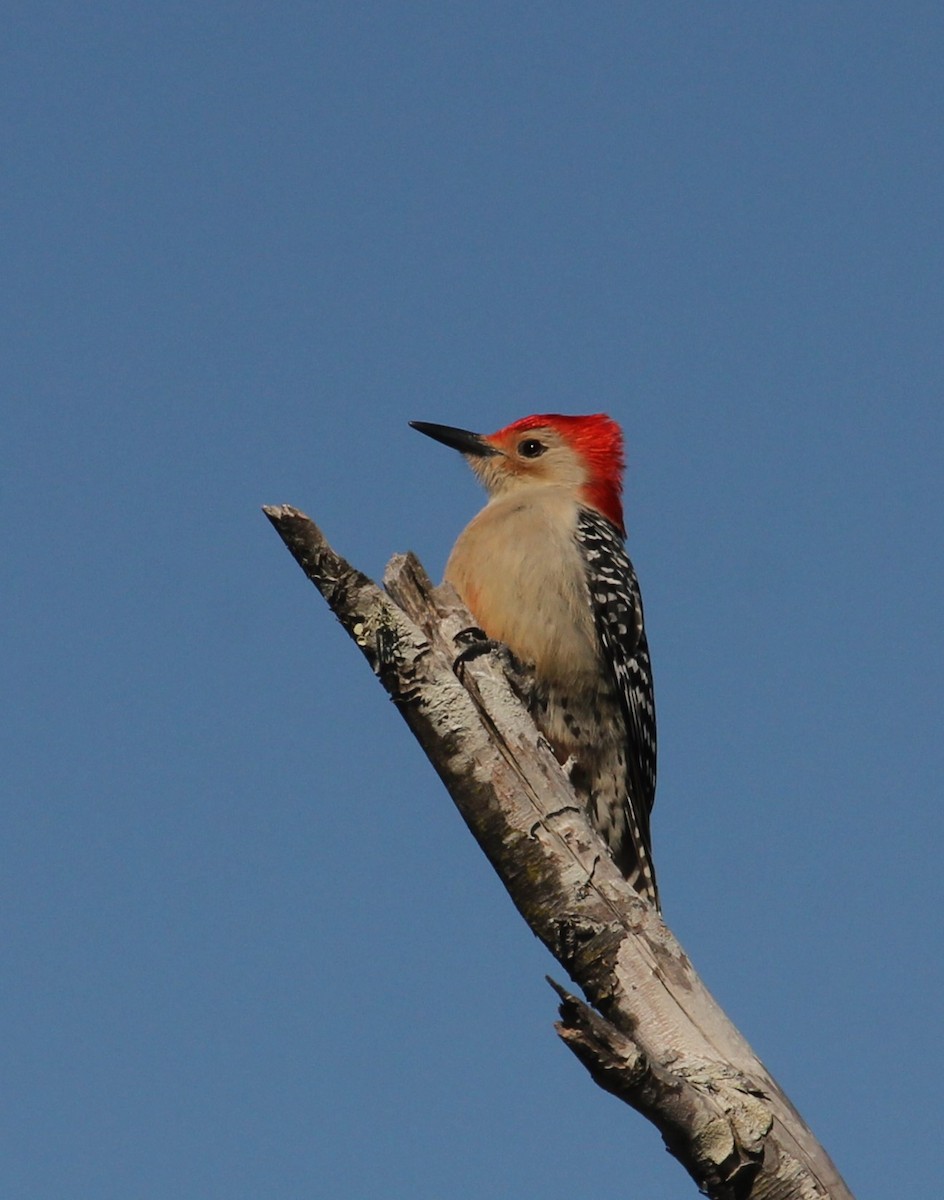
point(531, 448)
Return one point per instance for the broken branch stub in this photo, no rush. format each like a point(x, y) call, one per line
point(651, 1033)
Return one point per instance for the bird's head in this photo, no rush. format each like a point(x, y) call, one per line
point(580, 453)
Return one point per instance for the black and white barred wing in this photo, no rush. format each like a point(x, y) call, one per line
point(618, 615)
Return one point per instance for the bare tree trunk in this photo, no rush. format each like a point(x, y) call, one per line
point(650, 1033)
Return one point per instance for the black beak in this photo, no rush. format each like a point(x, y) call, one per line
point(459, 439)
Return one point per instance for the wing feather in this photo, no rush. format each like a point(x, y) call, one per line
point(618, 617)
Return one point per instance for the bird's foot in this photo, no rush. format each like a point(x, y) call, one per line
point(476, 642)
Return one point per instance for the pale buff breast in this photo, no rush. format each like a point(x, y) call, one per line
point(519, 571)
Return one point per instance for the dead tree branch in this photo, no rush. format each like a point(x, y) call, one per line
point(650, 1032)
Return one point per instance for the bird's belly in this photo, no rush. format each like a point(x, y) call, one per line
point(533, 597)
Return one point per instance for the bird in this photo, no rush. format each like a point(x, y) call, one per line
point(544, 571)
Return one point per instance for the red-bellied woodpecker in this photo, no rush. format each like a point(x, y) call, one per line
point(543, 569)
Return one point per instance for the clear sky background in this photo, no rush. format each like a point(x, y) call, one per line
point(248, 947)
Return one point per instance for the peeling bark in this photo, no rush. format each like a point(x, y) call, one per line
point(649, 1032)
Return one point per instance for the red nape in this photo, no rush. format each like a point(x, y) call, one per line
point(599, 441)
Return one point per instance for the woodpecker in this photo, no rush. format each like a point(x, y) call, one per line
point(543, 569)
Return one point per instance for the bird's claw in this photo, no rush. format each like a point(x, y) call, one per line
point(476, 643)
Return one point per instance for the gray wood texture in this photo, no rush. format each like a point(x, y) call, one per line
point(648, 1031)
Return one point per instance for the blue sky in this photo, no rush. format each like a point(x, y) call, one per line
point(248, 947)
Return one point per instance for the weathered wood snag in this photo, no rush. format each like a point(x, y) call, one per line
point(649, 1031)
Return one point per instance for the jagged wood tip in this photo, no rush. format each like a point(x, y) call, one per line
point(649, 1031)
